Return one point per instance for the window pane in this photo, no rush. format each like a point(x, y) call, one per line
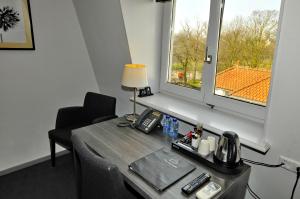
point(246, 49)
point(188, 42)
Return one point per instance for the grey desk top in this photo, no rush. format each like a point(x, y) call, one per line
point(123, 146)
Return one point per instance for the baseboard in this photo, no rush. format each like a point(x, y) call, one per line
point(31, 163)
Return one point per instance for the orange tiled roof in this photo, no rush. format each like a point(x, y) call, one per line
point(244, 82)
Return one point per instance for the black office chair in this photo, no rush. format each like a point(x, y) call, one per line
point(96, 177)
point(96, 108)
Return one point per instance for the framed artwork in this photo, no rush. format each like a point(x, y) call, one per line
point(15, 25)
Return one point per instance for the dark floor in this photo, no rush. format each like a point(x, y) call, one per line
point(41, 181)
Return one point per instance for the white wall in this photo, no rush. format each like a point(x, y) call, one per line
point(143, 26)
point(34, 84)
point(104, 32)
point(111, 45)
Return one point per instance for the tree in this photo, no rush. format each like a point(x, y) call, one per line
point(198, 42)
point(8, 19)
point(182, 52)
point(231, 43)
point(261, 35)
point(249, 41)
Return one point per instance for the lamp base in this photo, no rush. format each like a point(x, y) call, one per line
point(131, 117)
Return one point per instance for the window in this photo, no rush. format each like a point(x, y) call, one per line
point(237, 38)
point(189, 43)
point(246, 49)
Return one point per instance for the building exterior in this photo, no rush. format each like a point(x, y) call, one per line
point(244, 83)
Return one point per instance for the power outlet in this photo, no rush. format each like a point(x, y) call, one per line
point(289, 163)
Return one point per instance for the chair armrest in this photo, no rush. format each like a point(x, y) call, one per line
point(70, 116)
point(103, 118)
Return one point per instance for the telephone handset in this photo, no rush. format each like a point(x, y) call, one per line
point(148, 120)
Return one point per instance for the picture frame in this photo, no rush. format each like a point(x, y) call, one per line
point(16, 32)
point(144, 92)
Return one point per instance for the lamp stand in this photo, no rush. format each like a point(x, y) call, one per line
point(134, 103)
point(132, 117)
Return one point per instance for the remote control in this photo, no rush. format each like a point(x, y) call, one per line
point(196, 183)
point(209, 191)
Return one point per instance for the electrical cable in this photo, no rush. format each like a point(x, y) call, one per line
point(296, 183)
point(124, 124)
point(253, 196)
point(263, 164)
point(252, 193)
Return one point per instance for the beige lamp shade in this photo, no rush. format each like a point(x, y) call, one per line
point(135, 76)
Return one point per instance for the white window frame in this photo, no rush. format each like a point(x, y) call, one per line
point(165, 86)
point(206, 95)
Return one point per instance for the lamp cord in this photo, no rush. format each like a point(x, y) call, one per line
point(252, 193)
point(296, 183)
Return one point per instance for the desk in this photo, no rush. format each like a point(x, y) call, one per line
point(123, 146)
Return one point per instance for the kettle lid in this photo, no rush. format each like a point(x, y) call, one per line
point(230, 135)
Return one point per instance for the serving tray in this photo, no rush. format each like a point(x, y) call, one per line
point(208, 160)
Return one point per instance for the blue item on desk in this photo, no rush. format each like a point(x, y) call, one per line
point(168, 124)
point(175, 125)
point(164, 125)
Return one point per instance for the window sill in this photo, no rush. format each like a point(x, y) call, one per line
point(251, 133)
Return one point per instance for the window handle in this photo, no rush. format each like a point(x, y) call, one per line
point(208, 58)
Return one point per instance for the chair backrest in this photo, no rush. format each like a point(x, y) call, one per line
point(98, 105)
point(96, 177)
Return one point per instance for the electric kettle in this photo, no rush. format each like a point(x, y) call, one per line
point(228, 152)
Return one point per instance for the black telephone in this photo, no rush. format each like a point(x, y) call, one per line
point(148, 120)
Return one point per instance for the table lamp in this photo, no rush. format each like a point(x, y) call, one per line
point(134, 76)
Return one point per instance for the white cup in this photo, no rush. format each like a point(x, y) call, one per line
point(212, 143)
point(195, 142)
point(204, 148)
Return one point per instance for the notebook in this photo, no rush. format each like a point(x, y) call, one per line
point(161, 168)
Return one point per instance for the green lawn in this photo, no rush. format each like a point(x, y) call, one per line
point(194, 84)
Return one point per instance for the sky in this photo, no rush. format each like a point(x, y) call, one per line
point(189, 10)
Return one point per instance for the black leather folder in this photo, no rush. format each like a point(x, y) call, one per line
point(161, 168)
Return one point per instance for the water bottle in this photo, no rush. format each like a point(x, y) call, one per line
point(164, 125)
point(171, 129)
point(168, 124)
point(175, 128)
